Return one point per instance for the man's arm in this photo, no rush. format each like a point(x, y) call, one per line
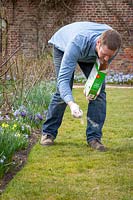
point(69, 62)
point(68, 65)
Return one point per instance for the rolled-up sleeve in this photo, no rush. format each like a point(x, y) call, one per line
point(69, 62)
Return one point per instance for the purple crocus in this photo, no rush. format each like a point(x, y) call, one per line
point(1, 118)
point(39, 116)
point(31, 117)
point(45, 112)
point(7, 117)
point(16, 113)
point(23, 113)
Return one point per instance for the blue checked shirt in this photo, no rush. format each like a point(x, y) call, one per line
point(78, 42)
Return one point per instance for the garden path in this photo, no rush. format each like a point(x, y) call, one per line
point(108, 86)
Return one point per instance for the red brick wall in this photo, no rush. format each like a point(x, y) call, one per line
point(33, 26)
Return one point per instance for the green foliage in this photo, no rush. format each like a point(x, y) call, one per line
point(13, 136)
point(15, 130)
point(70, 170)
point(40, 96)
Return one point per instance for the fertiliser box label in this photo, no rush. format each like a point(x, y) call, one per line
point(94, 81)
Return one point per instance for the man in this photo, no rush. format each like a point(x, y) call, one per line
point(80, 43)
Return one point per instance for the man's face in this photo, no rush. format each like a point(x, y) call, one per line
point(104, 53)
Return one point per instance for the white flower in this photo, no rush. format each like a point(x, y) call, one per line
point(1, 161)
point(22, 127)
point(17, 135)
point(3, 158)
point(28, 126)
point(26, 136)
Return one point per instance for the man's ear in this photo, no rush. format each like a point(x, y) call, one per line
point(98, 42)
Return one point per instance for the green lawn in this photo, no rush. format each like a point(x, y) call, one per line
point(70, 170)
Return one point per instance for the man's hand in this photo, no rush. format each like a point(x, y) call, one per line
point(103, 66)
point(75, 110)
point(89, 98)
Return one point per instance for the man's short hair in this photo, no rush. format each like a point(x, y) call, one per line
point(112, 39)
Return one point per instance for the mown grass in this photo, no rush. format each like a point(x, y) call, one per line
point(70, 170)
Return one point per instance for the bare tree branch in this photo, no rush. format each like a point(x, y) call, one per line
point(10, 56)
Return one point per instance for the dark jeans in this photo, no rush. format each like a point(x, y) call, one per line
point(96, 109)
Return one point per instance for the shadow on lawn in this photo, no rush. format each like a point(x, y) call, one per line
point(75, 144)
point(120, 149)
point(111, 149)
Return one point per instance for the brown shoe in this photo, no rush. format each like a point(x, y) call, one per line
point(97, 145)
point(47, 140)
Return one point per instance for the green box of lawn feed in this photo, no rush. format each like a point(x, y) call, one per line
point(94, 82)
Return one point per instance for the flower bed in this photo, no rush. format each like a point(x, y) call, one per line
point(13, 137)
point(18, 124)
point(112, 78)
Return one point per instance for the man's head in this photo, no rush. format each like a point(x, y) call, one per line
point(108, 44)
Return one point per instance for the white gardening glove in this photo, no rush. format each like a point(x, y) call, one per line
point(76, 111)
